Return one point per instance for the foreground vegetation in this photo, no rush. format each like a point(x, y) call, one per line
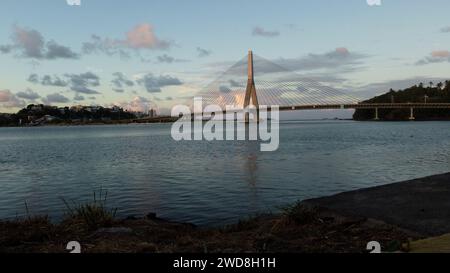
point(432, 93)
point(299, 228)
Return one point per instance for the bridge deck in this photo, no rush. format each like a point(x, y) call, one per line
point(369, 106)
point(355, 106)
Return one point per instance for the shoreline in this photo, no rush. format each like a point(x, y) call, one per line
point(172, 120)
point(98, 123)
point(345, 222)
point(304, 230)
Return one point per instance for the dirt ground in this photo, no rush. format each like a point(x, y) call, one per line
point(299, 230)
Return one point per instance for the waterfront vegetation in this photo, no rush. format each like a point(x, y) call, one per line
point(299, 228)
point(93, 215)
point(421, 93)
point(41, 114)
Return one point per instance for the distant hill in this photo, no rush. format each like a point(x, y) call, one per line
point(430, 93)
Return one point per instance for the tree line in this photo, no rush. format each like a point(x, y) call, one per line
point(420, 93)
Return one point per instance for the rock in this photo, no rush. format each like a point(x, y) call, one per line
point(114, 230)
point(151, 216)
point(147, 248)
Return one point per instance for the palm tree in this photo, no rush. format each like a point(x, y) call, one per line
point(431, 84)
point(447, 84)
point(439, 85)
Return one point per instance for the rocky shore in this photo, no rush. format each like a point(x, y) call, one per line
point(308, 231)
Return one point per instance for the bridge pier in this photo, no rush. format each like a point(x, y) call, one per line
point(376, 114)
point(411, 114)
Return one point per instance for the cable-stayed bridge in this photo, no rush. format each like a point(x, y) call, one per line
point(257, 81)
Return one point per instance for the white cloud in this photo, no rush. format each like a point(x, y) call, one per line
point(438, 56)
point(141, 37)
point(137, 104)
point(9, 100)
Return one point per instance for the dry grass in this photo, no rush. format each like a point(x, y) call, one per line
point(92, 215)
point(297, 229)
point(299, 213)
point(29, 231)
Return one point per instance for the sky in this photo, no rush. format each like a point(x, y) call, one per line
point(154, 54)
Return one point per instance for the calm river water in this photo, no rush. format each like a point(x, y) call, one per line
point(209, 183)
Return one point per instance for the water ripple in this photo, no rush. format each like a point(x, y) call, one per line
point(144, 170)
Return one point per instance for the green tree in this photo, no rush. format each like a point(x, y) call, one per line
point(447, 84)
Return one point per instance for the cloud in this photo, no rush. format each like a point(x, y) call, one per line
point(445, 29)
point(9, 100)
point(259, 31)
point(56, 51)
point(47, 80)
point(120, 81)
point(33, 78)
point(141, 37)
point(5, 49)
point(337, 59)
point(153, 84)
point(80, 83)
point(234, 83)
point(106, 46)
point(438, 56)
point(224, 89)
point(168, 98)
point(293, 26)
point(137, 104)
point(55, 98)
point(30, 43)
point(169, 59)
point(78, 97)
point(5, 95)
point(84, 90)
point(166, 59)
point(28, 95)
point(375, 89)
point(53, 81)
point(83, 83)
point(201, 52)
